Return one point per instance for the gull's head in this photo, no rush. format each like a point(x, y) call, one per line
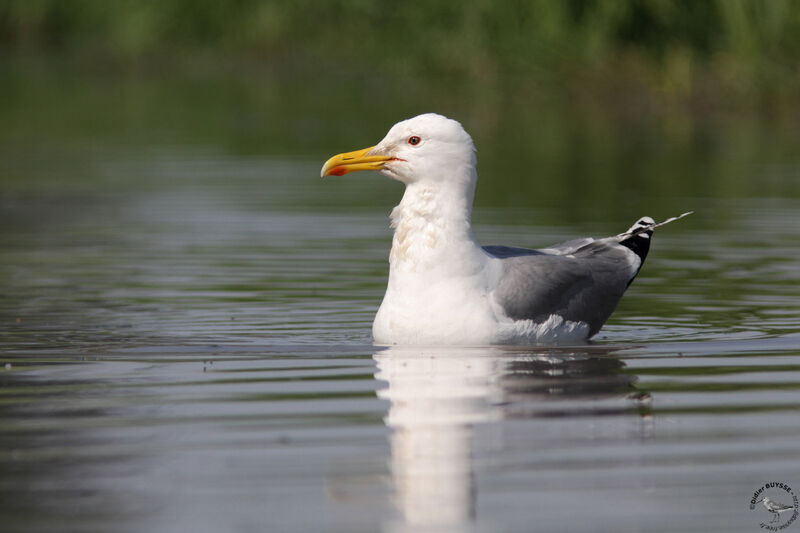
point(428, 147)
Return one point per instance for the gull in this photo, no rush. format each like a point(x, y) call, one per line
point(446, 289)
point(775, 508)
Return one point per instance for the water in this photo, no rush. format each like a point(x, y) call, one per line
point(186, 347)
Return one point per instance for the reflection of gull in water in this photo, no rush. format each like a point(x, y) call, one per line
point(435, 398)
point(439, 395)
point(775, 508)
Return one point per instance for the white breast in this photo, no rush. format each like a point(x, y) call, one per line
point(424, 309)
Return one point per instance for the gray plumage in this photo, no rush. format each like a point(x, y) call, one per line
point(581, 280)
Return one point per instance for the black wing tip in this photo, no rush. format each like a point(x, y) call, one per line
point(637, 238)
point(639, 243)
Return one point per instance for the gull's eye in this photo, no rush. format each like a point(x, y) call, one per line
point(414, 140)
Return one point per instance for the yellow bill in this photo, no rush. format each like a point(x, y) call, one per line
point(341, 164)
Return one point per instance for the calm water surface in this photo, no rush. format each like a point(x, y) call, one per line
point(193, 353)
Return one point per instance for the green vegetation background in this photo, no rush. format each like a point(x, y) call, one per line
point(619, 99)
point(732, 50)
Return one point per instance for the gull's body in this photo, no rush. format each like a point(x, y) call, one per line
point(444, 288)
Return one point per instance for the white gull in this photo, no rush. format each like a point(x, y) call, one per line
point(446, 289)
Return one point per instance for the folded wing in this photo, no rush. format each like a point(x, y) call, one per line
point(581, 280)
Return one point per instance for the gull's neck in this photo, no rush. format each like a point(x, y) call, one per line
point(432, 225)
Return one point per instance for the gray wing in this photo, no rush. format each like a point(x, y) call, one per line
point(581, 280)
point(568, 247)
